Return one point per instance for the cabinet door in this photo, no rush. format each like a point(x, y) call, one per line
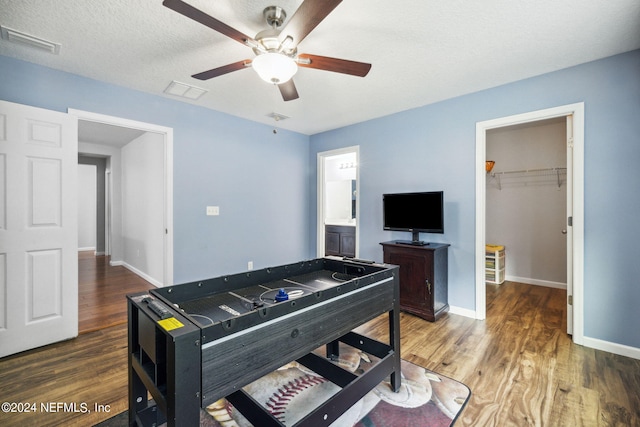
point(413, 291)
point(348, 244)
point(332, 243)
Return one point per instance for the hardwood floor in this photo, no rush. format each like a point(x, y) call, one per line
point(521, 367)
point(101, 291)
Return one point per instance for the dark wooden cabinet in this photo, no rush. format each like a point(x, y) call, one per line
point(423, 277)
point(340, 240)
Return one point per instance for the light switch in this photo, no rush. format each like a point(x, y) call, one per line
point(213, 210)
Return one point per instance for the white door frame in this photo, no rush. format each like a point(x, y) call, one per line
point(577, 111)
point(167, 134)
point(321, 157)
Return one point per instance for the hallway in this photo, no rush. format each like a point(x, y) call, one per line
point(101, 292)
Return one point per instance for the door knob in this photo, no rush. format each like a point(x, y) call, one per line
point(564, 231)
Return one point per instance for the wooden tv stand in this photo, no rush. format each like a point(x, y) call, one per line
point(423, 277)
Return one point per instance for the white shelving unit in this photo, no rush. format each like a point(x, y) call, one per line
point(556, 176)
point(494, 264)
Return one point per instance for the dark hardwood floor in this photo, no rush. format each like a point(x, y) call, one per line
point(522, 368)
point(101, 291)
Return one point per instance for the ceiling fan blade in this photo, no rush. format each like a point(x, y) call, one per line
point(206, 75)
point(336, 65)
point(211, 22)
point(288, 90)
point(306, 18)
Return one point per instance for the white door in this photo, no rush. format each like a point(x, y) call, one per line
point(569, 224)
point(38, 227)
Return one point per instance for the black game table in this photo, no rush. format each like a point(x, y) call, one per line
point(194, 343)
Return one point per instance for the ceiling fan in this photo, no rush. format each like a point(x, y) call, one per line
point(277, 57)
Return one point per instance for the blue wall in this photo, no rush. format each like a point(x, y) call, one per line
point(258, 178)
point(433, 148)
point(265, 183)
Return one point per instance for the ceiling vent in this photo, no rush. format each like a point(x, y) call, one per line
point(277, 117)
point(15, 36)
point(184, 90)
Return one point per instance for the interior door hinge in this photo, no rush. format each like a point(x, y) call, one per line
point(570, 142)
point(570, 299)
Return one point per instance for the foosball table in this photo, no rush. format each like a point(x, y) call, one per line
point(195, 343)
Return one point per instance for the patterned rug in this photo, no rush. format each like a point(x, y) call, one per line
point(425, 399)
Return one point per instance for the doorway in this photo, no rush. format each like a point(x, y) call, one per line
point(338, 202)
point(115, 208)
point(574, 115)
point(92, 200)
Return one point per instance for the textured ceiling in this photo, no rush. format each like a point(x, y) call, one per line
point(422, 51)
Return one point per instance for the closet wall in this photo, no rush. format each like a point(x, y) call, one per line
point(526, 200)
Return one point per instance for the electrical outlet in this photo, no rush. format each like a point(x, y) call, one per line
point(213, 210)
point(250, 265)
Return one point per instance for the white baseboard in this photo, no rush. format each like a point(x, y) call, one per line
point(537, 282)
point(91, 248)
point(137, 272)
point(462, 311)
point(620, 349)
point(142, 274)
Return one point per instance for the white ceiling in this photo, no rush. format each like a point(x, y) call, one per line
point(104, 134)
point(422, 51)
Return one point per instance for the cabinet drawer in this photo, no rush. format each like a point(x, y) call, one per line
point(491, 262)
point(494, 276)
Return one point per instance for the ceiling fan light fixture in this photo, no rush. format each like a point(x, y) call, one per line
point(274, 68)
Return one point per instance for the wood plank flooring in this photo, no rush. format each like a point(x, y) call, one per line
point(101, 290)
point(522, 368)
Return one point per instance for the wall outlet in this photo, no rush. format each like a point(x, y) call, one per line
point(250, 265)
point(213, 210)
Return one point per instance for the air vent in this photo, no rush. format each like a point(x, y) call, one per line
point(15, 36)
point(184, 90)
point(277, 117)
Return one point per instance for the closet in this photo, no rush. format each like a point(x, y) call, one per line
point(526, 200)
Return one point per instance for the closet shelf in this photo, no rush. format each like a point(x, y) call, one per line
point(536, 175)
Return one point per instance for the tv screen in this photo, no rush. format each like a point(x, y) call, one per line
point(415, 212)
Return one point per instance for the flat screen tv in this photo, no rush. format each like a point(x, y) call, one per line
point(415, 212)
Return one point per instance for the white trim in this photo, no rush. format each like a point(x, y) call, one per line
point(536, 282)
point(577, 110)
point(320, 196)
point(462, 311)
point(620, 349)
point(168, 184)
point(142, 274)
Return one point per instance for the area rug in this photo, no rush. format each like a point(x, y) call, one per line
point(426, 399)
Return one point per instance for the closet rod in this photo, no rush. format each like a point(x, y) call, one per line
point(530, 172)
point(547, 171)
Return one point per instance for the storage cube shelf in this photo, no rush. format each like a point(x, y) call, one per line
point(494, 264)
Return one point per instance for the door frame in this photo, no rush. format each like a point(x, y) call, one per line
point(577, 198)
point(321, 158)
point(167, 134)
